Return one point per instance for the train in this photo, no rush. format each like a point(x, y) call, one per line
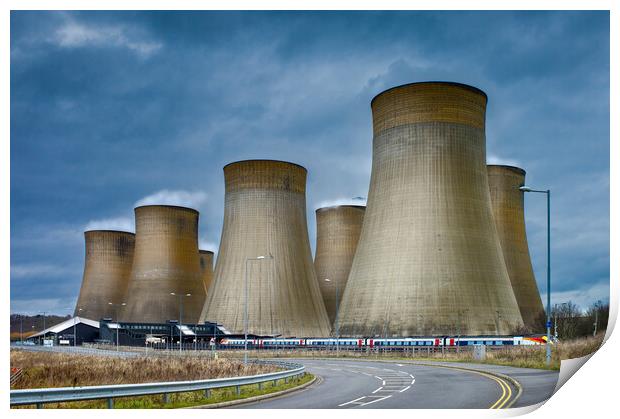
point(383, 343)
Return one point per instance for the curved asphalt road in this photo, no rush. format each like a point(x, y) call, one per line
point(349, 383)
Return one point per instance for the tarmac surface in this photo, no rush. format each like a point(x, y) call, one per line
point(346, 384)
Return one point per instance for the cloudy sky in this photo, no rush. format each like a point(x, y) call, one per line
point(110, 110)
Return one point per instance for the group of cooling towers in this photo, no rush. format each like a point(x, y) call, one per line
point(439, 249)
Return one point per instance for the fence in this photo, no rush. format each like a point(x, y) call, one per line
point(110, 392)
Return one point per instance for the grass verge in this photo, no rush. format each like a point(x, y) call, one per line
point(187, 399)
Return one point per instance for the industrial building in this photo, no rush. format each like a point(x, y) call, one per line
point(161, 335)
point(166, 282)
point(429, 260)
point(64, 333)
point(337, 233)
point(264, 262)
point(107, 267)
point(508, 213)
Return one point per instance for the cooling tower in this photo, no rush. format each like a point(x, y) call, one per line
point(337, 232)
point(265, 214)
point(166, 261)
point(507, 205)
point(206, 268)
point(429, 259)
point(107, 268)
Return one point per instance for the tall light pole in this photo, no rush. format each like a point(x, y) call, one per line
point(118, 325)
point(548, 192)
point(44, 333)
point(337, 326)
point(180, 317)
point(74, 330)
point(245, 311)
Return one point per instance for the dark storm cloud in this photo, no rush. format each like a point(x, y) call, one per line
point(110, 108)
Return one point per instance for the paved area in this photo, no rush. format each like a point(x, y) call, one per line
point(346, 384)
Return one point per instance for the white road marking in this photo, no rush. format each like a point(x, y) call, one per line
point(379, 389)
point(378, 378)
point(352, 401)
point(412, 381)
point(405, 389)
point(375, 401)
point(383, 382)
point(400, 365)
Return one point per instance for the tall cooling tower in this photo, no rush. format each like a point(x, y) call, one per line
point(107, 267)
point(166, 261)
point(206, 268)
point(507, 204)
point(265, 214)
point(337, 233)
point(429, 259)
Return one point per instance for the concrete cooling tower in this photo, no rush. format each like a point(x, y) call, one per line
point(206, 268)
point(507, 205)
point(265, 214)
point(107, 267)
point(166, 261)
point(337, 232)
point(429, 259)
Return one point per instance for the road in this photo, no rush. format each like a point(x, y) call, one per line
point(344, 384)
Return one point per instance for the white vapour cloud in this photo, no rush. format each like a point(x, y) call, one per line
point(358, 200)
point(72, 34)
point(207, 245)
point(182, 198)
point(115, 223)
point(36, 270)
point(494, 159)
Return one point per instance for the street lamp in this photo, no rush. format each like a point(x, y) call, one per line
point(245, 312)
point(44, 332)
point(74, 331)
point(180, 317)
point(337, 326)
point(548, 324)
point(118, 325)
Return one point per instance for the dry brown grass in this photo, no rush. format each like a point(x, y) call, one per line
point(44, 369)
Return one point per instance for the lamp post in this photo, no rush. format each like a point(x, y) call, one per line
point(245, 311)
point(44, 332)
point(21, 329)
point(548, 192)
point(337, 326)
point(118, 325)
point(74, 330)
point(180, 317)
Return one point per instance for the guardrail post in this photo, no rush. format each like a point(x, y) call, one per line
point(208, 393)
point(39, 405)
point(275, 383)
point(166, 398)
point(110, 403)
point(286, 380)
point(260, 385)
point(238, 390)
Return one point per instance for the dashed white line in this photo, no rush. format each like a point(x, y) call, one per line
point(379, 389)
point(405, 389)
point(352, 401)
point(378, 378)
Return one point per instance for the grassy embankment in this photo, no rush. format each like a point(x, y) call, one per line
point(42, 370)
point(517, 356)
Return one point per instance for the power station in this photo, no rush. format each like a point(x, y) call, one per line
point(264, 263)
point(507, 204)
point(337, 233)
point(166, 282)
point(107, 268)
point(439, 250)
point(429, 260)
